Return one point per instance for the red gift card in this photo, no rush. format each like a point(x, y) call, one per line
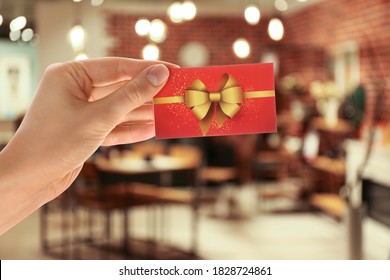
point(216, 100)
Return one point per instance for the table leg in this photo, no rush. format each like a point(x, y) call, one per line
point(195, 211)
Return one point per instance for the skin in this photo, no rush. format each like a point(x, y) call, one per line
point(78, 106)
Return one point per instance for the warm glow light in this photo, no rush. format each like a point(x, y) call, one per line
point(77, 37)
point(14, 35)
point(301, 0)
point(241, 48)
point(281, 5)
point(81, 56)
point(18, 23)
point(175, 12)
point(275, 29)
point(96, 3)
point(77, 1)
point(252, 14)
point(150, 52)
point(189, 10)
point(142, 27)
point(1, 19)
point(27, 34)
point(158, 31)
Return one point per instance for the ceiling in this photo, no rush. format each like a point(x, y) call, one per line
point(11, 8)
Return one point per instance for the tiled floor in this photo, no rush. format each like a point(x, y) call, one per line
point(268, 235)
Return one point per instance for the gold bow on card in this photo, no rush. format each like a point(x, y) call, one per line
point(200, 100)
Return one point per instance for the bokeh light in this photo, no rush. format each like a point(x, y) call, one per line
point(252, 14)
point(18, 23)
point(81, 56)
point(158, 31)
point(281, 5)
point(77, 37)
point(14, 35)
point(275, 29)
point(175, 12)
point(189, 10)
point(97, 3)
point(142, 27)
point(150, 52)
point(241, 48)
point(27, 34)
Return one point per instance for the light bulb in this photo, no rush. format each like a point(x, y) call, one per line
point(1, 20)
point(96, 3)
point(150, 52)
point(175, 12)
point(252, 14)
point(142, 27)
point(77, 37)
point(241, 48)
point(81, 56)
point(275, 29)
point(158, 31)
point(27, 34)
point(281, 5)
point(18, 23)
point(189, 10)
point(14, 35)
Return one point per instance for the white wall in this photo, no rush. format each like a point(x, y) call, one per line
point(53, 21)
point(55, 18)
point(16, 93)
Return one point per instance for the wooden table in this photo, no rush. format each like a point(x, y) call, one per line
point(150, 161)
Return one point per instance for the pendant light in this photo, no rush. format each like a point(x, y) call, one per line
point(77, 35)
point(275, 29)
point(252, 14)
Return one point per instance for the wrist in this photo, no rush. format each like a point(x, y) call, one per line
point(23, 189)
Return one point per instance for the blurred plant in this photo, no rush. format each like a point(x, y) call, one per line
point(324, 90)
point(293, 83)
point(327, 98)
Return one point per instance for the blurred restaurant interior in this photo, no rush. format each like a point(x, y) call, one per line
point(319, 188)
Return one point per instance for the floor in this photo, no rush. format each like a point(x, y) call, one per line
point(266, 234)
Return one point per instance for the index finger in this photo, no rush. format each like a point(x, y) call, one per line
point(109, 70)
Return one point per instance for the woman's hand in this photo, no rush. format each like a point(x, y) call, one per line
point(78, 106)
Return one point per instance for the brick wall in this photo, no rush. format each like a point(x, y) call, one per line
point(309, 34)
point(218, 35)
point(335, 21)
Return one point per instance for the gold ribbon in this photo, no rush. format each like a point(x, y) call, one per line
point(228, 100)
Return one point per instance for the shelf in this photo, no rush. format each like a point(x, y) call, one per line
point(341, 128)
point(330, 204)
point(334, 166)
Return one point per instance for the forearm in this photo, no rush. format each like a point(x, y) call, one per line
point(22, 189)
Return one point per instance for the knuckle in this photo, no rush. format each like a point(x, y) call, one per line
point(52, 69)
point(135, 92)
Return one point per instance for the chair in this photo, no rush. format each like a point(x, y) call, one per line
point(220, 162)
point(60, 223)
point(172, 186)
point(106, 195)
point(57, 234)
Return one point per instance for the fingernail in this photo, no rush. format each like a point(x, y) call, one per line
point(158, 74)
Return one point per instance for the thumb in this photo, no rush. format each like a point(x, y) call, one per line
point(136, 92)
